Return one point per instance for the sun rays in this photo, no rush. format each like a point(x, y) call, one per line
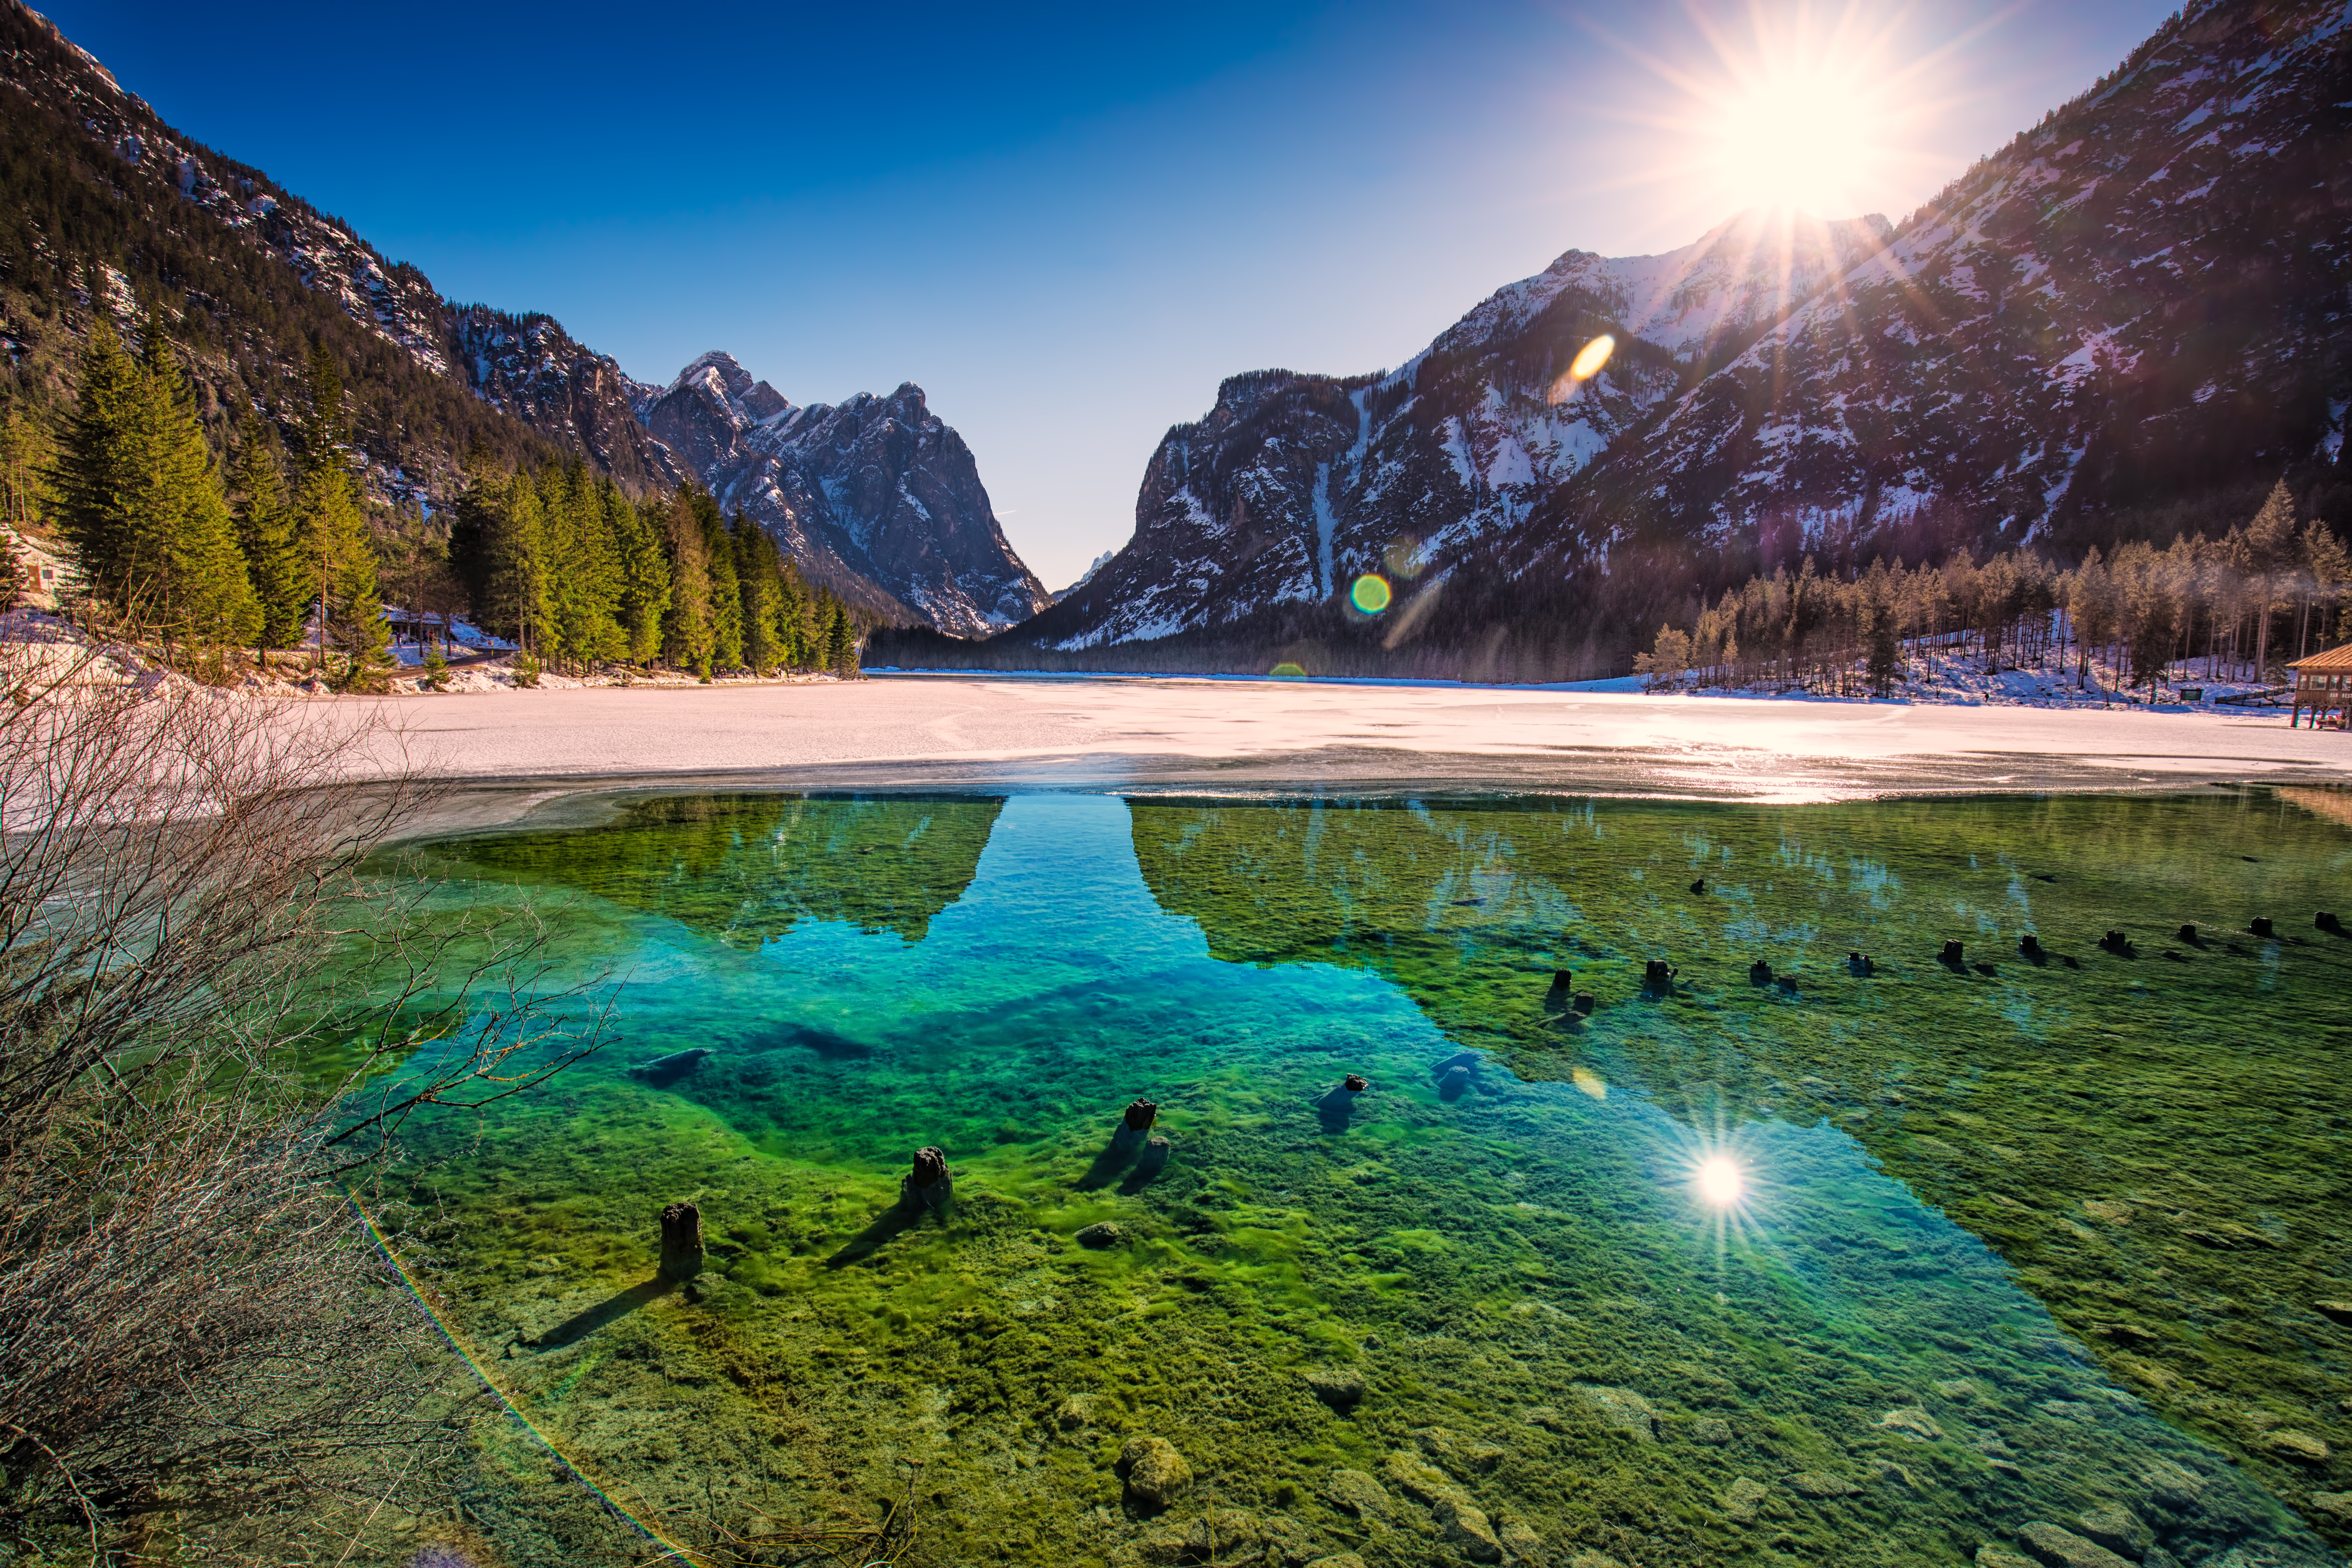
point(1828, 111)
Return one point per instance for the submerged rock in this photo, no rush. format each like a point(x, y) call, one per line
point(663, 1071)
point(2063, 1549)
point(1457, 1082)
point(1992, 1556)
point(1155, 1473)
point(1081, 1410)
point(1621, 1408)
point(1417, 1478)
point(1467, 1528)
point(1454, 1449)
point(1340, 1560)
point(2290, 1444)
point(1913, 1423)
point(1340, 1387)
point(1821, 1485)
point(1742, 1498)
point(1520, 1542)
point(2116, 1530)
point(1712, 1430)
point(1101, 1234)
point(1356, 1493)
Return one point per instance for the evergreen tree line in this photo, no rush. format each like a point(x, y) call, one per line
point(161, 551)
point(2232, 608)
point(571, 570)
point(273, 548)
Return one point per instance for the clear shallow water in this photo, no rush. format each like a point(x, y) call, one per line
point(2012, 1247)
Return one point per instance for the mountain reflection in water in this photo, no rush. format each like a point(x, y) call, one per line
point(1990, 1233)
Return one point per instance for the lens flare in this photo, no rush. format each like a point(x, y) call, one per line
point(1591, 357)
point(1720, 1181)
point(1287, 671)
point(1370, 594)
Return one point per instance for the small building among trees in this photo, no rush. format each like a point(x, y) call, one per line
point(2323, 684)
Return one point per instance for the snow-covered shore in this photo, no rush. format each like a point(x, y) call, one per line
point(951, 732)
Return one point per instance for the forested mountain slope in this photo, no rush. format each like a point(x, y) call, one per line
point(103, 206)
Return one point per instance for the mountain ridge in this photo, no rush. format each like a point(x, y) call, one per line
point(143, 209)
point(2126, 322)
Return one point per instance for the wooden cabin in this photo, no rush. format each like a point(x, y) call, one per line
point(2323, 685)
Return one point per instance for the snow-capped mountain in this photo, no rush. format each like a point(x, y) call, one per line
point(1295, 484)
point(877, 498)
point(1087, 576)
point(2142, 297)
point(2142, 301)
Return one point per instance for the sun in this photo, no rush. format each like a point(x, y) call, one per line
point(1720, 1180)
point(1831, 112)
point(1798, 142)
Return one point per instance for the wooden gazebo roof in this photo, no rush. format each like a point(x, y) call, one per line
point(2334, 658)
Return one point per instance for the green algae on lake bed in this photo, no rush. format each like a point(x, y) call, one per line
point(2014, 1249)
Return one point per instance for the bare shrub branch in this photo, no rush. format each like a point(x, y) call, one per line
point(214, 1016)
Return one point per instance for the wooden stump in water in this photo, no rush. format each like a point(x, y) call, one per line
point(928, 1185)
point(681, 1247)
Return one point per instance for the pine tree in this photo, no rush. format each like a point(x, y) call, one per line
point(514, 603)
point(792, 618)
point(583, 578)
point(841, 642)
point(140, 502)
point(726, 587)
point(203, 597)
point(26, 456)
point(760, 581)
point(685, 625)
point(265, 532)
point(2267, 547)
point(100, 466)
point(336, 554)
point(645, 575)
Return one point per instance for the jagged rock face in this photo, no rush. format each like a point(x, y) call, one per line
point(2144, 295)
point(530, 367)
point(877, 498)
point(1296, 484)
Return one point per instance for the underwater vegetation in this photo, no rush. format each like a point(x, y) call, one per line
point(1409, 1258)
point(2152, 1129)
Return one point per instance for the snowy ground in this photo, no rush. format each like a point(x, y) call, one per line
point(1203, 736)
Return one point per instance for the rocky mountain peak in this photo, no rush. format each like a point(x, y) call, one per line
point(875, 496)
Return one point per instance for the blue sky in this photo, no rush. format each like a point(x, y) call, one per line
point(1065, 223)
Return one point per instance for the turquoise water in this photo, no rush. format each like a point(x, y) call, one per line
point(1917, 1329)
